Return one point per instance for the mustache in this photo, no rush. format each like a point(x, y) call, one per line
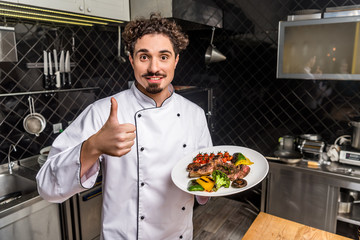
point(150, 74)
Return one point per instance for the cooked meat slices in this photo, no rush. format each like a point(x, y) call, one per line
point(216, 163)
point(203, 170)
point(193, 166)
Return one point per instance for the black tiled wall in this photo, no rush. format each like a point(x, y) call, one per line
point(252, 107)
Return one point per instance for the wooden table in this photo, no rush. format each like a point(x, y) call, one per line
point(267, 226)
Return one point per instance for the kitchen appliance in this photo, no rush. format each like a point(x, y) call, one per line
point(298, 43)
point(311, 146)
point(355, 140)
point(81, 214)
point(349, 155)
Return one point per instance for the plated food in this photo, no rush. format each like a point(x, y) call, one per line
point(214, 171)
point(189, 171)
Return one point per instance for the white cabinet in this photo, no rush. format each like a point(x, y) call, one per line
point(115, 9)
point(63, 5)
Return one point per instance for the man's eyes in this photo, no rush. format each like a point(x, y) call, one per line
point(143, 57)
point(162, 57)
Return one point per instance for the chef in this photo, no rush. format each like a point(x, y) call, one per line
point(137, 136)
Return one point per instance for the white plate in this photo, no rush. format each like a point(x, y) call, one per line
point(258, 170)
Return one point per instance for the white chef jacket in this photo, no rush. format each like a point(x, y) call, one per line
point(140, 201)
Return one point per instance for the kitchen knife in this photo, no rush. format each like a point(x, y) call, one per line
point(67, 68)
point(57, 73)
point(51, 75)
point(46, 77)
point(62, 68)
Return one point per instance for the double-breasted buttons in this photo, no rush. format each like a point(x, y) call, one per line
point(139, 115)
point(142, 149)
point(178, 114)
point(181, 237)
point(184, 145)
point(142, 217)
point(183, 208)
point(142, 184)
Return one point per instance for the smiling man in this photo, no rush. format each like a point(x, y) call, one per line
point(137, 136)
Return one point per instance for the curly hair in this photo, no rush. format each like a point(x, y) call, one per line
point(155, 24)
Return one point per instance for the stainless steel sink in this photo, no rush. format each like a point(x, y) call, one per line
point(14, 187)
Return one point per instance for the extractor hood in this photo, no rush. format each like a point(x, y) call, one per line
point(203, 12)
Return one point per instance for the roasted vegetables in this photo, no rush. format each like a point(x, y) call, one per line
point(206, 182)
point(239, 183)
point(221, 180)
point(241, 159)
point(194, 186)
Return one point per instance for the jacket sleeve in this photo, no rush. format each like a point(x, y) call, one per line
point(59, 178)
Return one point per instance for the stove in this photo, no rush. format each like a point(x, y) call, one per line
point(349, 155)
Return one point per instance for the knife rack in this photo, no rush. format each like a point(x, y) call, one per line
point(48, 91)
point(41, 65)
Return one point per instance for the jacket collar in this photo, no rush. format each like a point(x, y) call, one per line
point(148, 102)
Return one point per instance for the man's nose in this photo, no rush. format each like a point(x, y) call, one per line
point(153, 66)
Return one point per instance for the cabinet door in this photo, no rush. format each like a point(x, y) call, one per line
point(116, 9)
point(301, 197)
point(76, 6)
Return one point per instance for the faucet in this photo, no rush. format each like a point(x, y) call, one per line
point(12, 148)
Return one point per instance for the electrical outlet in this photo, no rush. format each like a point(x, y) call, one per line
point(57, 127)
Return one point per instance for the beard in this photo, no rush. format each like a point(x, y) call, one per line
point(153, 88)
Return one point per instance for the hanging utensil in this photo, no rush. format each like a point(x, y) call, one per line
point(67, 69)
point(57, 72)
point(51, 73)
point(34, 123)
point(212, 54)
point(120, 58)
point(62, 68)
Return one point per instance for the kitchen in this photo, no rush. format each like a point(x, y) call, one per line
point(251, 107)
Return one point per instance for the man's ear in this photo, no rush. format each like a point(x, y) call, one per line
point(131, 60)
point(177, 60)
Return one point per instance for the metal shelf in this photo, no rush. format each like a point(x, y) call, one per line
point(48, 91)
point(353, 217)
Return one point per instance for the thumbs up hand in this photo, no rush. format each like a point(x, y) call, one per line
point(113, 138)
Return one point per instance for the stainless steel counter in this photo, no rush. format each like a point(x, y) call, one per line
point(26, 168)
point(28, 216)
point(308, 194)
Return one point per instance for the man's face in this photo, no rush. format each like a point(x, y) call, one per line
point(154, 63)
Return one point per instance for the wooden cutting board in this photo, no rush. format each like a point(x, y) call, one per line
point(267, 226)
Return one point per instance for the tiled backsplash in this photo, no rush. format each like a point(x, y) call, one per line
point(253, 108)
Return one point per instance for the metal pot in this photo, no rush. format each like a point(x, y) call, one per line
point(355, 141)
point(346, 202)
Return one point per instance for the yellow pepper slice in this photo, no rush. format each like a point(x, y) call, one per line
point(206, 182)
point(245, 161)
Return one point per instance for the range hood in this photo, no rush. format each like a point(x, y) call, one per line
point(202, 12)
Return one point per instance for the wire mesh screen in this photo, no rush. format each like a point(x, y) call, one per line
point(251, 107)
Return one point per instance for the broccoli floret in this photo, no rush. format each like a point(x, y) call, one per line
point(221, 180)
